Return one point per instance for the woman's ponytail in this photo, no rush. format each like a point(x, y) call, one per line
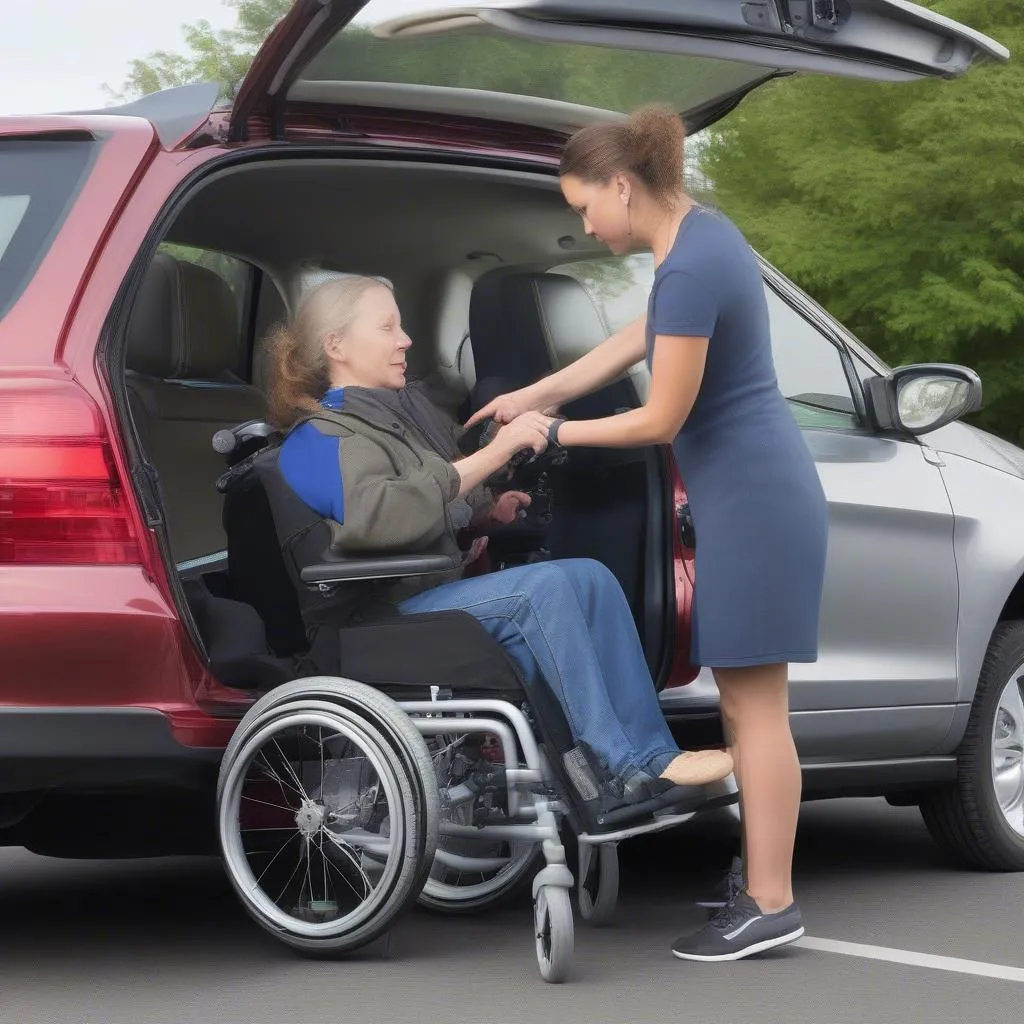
point(649, 145)
point(296, 381)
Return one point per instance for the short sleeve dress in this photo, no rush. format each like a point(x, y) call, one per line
point(759, 512)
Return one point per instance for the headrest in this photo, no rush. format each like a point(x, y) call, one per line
point(523, 326)
point(313, 276)
point(184, 324)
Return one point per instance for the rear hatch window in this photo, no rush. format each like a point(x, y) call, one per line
point(40, 177)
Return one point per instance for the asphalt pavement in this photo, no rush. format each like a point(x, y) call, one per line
point(165, 941)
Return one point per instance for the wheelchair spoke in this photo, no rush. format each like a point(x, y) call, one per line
point(271, 774)
point(323, 860)
point(280, 850)
point(309, 868)
point(284, 888)
point(266, 803)
point(295, 779)
point(346, 851)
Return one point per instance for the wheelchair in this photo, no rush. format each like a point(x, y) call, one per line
point(391, 760)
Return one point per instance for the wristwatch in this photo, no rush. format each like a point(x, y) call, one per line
point(553, 431)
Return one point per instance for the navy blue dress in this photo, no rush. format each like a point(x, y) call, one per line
point(759, 512)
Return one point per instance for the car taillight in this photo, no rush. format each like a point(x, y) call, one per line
point(61, 498)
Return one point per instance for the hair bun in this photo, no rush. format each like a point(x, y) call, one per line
point(657, 139)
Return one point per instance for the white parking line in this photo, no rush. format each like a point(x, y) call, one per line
point(909, 957)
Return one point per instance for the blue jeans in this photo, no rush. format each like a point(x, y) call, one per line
point(566, 624)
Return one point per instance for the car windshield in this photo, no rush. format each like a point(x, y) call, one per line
point(593, 76)
point(39, 179)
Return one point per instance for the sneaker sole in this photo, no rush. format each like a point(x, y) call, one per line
point(739, 954)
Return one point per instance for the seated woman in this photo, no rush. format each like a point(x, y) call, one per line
point(379, 462)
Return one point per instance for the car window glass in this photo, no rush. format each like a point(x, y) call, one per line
point(809, 369)
point(39, 179)
point(618, 285)
point(233, 271)
point(236, 274)
point(12, 212)
point(609, 78)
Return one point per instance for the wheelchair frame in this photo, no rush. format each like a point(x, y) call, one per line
point(536, 812)
point(394, 736)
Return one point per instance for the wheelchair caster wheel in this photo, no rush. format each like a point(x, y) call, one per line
point(598, 887)
point(552, 919)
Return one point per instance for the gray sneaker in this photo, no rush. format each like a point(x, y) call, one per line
point(738, 930)
point(728, 886)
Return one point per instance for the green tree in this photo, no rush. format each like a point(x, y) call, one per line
point(899, 207)
point(214, 56)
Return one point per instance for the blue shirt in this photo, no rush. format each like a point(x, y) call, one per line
point(311, 465)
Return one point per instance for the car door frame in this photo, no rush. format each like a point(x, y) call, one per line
point(898, 729)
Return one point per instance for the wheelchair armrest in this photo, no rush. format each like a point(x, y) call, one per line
point(339, 570)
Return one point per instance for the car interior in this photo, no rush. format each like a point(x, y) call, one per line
point(470, 253)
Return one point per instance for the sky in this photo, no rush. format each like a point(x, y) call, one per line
point(57, 54)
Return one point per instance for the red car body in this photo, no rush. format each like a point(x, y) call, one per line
point(89, 626)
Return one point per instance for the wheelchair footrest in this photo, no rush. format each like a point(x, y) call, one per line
point(679, 798)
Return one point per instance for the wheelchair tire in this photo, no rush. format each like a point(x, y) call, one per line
point(500, 892)
point(407, 738)
point(382, 739)
point(555, 936)
point(597, 887)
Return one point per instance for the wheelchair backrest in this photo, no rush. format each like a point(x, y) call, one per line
point(272, 536)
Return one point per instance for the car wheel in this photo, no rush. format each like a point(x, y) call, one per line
point(980, 817)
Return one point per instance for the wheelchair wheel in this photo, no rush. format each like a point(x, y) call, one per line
point(598, 883)
point(471, 874)
point(327, 814)
point(553, 928)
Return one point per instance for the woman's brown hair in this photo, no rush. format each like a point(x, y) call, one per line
point(649, 145)
point(297, 361)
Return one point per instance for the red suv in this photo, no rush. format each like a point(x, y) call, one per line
point(144, 252)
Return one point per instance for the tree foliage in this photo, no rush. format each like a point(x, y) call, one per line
point(220, 56)
point(898, 207)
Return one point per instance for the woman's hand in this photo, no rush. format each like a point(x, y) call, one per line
point(507, 507)
point(528, 430)
point(506, 408)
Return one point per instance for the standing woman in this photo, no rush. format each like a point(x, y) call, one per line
point(759, 512)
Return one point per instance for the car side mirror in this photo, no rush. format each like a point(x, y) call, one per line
point(923, 397)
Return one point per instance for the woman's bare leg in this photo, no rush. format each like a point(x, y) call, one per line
point(755, 706)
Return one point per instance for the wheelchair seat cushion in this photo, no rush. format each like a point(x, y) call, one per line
point(448, 649)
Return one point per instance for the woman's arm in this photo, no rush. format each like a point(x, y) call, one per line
point(529, 431)
point(685, 308)
point(383, 509)
point(676, 373)
point(599, 366)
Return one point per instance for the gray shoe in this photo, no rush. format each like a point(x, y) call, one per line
point(729, 885)
point(738, 930)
